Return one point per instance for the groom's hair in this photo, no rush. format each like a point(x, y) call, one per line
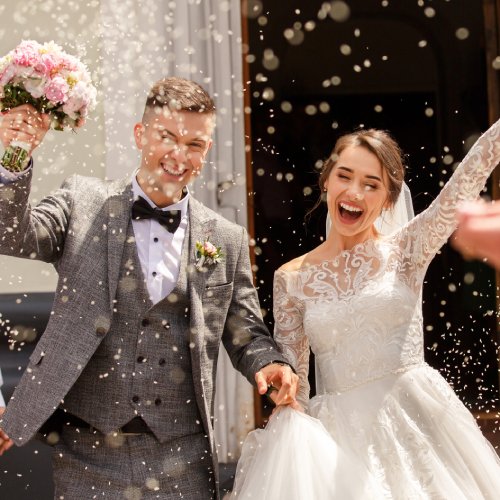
point(179, 94)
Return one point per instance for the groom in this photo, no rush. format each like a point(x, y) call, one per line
point(122, 380)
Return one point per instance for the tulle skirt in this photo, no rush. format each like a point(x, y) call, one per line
point(295, 458)
point(404, 437)
point(415, 436)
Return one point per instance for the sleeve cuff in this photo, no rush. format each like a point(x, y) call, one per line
point(8, 177)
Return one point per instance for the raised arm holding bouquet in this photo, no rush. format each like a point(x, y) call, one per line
point(40, 87)
point(52, 82)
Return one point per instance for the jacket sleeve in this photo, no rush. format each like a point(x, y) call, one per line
point(245, 336)
point(34, 232)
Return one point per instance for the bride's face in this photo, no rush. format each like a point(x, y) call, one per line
point(356, 193)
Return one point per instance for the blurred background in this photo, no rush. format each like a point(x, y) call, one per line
point(288, 79)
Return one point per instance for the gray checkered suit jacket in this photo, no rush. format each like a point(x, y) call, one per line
point(81, 229)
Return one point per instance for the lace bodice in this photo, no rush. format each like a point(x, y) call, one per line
point(361, 311)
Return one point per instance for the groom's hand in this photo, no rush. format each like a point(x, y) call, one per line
point(5, 441)
point(281, 379)
point(25, 124)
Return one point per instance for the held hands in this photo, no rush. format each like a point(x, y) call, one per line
point(25, 124)
point(5, 441)
point(282, 382)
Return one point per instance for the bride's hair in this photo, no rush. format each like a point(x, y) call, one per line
point(382, 145)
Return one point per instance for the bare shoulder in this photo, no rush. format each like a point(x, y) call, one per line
point(294, 264)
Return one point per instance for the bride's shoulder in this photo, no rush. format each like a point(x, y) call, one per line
point(293, 265)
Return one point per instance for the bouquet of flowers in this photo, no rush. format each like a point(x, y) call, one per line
point(52, 82)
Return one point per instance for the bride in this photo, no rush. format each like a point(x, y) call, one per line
point(386, 424)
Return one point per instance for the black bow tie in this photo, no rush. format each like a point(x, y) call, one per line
point(169, 219)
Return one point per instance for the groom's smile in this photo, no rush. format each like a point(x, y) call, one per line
point(174, 145)
point(172, 169)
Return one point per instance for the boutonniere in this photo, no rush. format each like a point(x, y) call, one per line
point(207, 254)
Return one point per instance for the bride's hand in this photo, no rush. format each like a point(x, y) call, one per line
point(297, 406)
point(272, 395)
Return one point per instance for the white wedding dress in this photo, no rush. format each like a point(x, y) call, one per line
point(383, 406)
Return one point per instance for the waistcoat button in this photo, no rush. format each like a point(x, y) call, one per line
point(141, 359)
point(157, 401)
point(161, 362)
point(135, 399)
point(101, 331)
point(145, 322)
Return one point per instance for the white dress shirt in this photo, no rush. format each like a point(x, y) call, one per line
point(159, 250)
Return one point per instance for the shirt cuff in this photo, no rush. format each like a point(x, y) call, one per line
point(8, 177)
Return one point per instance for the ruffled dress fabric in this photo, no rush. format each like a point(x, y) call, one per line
point(295, 458)
point(415, 436)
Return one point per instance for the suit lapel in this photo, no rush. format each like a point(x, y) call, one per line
point(201, 228)
point(119, 205)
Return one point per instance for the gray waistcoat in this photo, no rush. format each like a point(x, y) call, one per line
point(143, 365)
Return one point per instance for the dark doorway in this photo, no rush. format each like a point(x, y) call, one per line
point(416, 69)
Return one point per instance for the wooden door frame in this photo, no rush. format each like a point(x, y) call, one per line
point(257, 407)
point(491, 10)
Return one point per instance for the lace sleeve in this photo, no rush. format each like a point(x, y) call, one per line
point(289, 333)
point(427, 233)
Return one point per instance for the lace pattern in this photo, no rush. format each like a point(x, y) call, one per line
point(361, 311)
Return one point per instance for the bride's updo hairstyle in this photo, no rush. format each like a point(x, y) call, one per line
point(382, 145)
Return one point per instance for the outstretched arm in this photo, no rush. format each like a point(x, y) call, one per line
point(36, 233)
point(427, 233)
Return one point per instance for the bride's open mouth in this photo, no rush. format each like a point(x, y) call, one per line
point(349, 212)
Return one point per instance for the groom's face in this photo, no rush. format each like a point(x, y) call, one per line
point(174, 145)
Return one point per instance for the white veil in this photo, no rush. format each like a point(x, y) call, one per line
point(388, 222)
point(395, 218)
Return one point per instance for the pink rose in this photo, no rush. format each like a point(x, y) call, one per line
point(69, 62)
point(46, 64)
point(26, 53)
point(209, 248)
point(80, 98)
point(8, 74)
point(57, 90)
